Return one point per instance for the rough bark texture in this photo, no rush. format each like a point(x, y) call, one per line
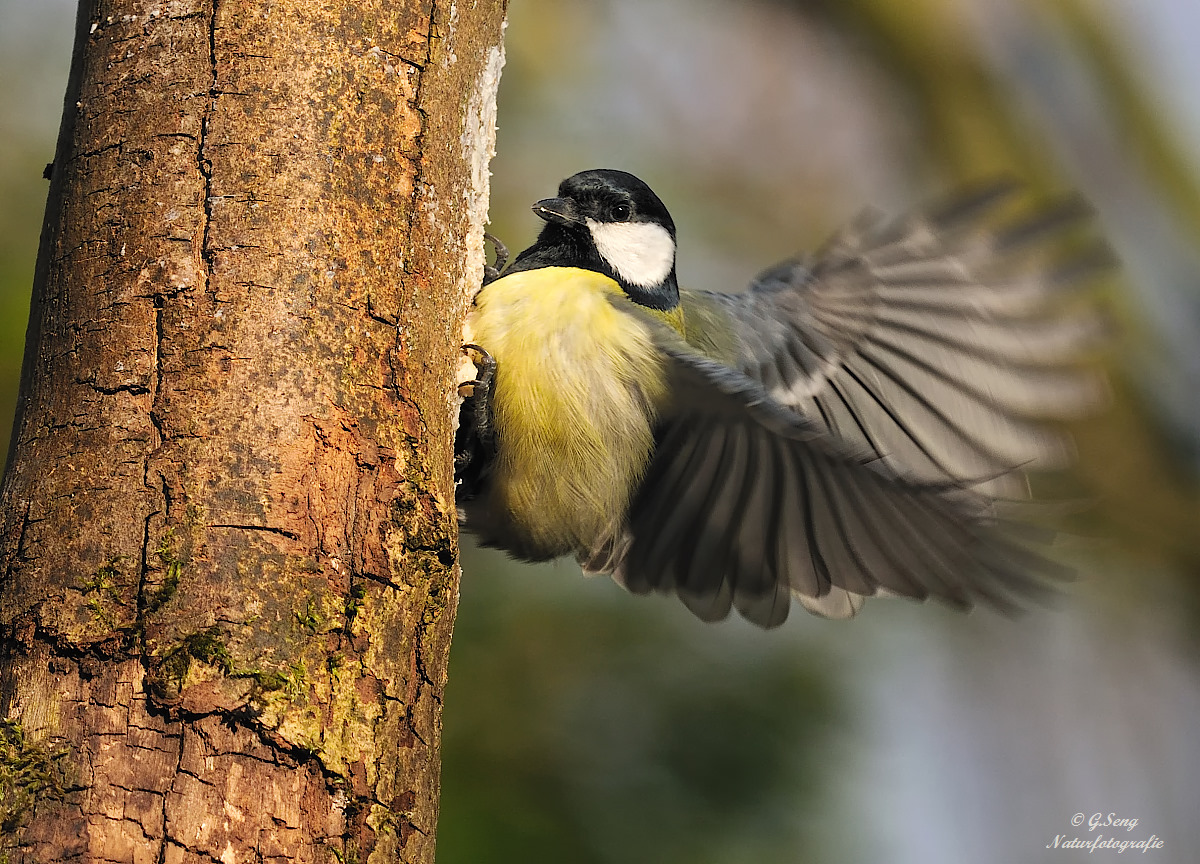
point(229, 553)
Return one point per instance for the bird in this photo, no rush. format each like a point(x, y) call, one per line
point(858, 422)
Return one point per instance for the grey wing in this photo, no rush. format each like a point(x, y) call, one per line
point(930, 342)
point(746, 504)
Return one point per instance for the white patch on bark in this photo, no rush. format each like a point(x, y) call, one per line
point(479, 146)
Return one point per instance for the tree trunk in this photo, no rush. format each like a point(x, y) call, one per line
point(228, 543)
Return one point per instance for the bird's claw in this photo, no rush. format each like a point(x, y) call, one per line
point(491, 272)
point(484, 362)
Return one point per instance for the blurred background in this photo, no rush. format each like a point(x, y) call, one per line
point(584, 725)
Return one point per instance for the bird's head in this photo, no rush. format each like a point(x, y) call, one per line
point(612, 222)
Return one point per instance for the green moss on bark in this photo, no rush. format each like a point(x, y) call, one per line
point(29, 772)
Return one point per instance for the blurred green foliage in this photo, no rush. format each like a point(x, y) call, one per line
point(23, 193)
point(35, 45)
point(581, 726)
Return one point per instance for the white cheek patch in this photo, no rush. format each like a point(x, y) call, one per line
point(642, 253)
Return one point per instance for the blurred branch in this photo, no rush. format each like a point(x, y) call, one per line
point(1134, 112)
point(963, 115)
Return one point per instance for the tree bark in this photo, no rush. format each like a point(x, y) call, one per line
point(228, 548)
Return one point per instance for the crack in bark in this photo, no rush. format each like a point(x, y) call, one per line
point(269, 529)
point(87, 154)
point(204, 164)
point(132, 389)
point(18, 548)
point(192, 850)
point(382, 319)
point(419, 143)
point(157, 379)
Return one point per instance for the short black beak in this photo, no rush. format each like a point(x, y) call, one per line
point(561, 210)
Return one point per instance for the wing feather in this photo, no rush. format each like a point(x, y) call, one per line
point(936, 342)
point(746, 502)
point(670, 480)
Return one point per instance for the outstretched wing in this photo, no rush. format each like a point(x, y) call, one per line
point(746, 503)
point(930, 342)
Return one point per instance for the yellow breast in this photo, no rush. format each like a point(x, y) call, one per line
point(575, 395)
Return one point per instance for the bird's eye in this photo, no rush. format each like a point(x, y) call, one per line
point(620, 212)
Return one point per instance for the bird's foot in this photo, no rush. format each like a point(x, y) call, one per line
point(475, 442)
point(491, 272)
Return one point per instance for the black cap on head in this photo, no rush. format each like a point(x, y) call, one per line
point(601, 193)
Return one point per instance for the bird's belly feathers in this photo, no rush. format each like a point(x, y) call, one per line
point(574, 397)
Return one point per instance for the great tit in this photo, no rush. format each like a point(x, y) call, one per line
point(843, 428)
